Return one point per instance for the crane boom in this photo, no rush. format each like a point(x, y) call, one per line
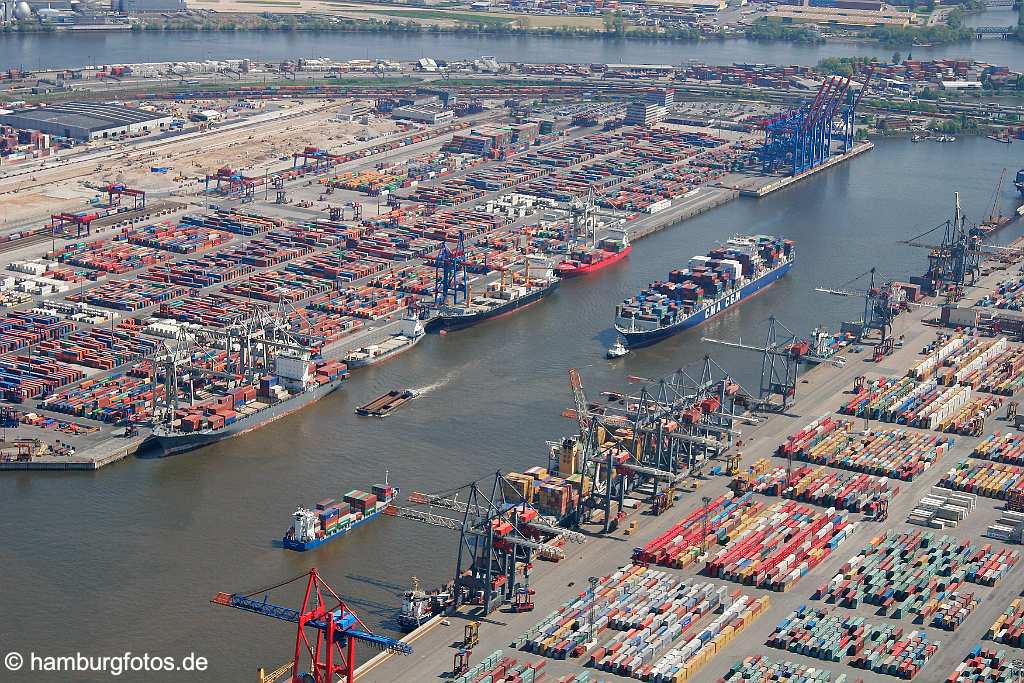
point(455, 525)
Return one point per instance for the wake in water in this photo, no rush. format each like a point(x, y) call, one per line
point(421, 391)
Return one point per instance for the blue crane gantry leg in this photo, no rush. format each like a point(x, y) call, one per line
point(450, 275)
point(801, 139)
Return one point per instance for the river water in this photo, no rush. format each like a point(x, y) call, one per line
point(48, 50)
point(127, 558)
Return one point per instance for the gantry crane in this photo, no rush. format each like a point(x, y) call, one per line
point(955, 264)
point(327, 633)
point(672, 426)
point(801, 138)
point(782, 354)
point(499, 535)
point(882, 303)
point(450, 275)
point(120, 189)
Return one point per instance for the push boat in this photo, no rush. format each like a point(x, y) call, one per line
point(332, 519)
point(710, 285)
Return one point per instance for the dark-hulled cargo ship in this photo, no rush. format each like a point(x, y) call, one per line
point(499, 299)
point(711, 284)
point(297, 382)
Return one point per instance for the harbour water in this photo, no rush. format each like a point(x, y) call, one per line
point(130, 555)
point(48, 50)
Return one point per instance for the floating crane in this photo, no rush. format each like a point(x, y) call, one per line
point(327, 633)
point(782, 355)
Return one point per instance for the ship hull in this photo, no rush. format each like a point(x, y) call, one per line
point(613, 257)
point(640, 338)
point(172, 444)
point(458, 322)
point(365, 363)
point(301, 547)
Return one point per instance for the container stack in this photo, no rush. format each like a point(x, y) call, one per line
point(1008, 627)
point(985, 666)
point(888, 651)
point(818, 633)
point(925, 566)
point(954, 610)
point(988, 479)
point(785, 542)
point(679, 664)
point(895, 453)
point(1009, 528)
point(680, 545)
point(760, 668)
point(1004, 448)
point(825, 488)
point(942, 508)
point(361, 501)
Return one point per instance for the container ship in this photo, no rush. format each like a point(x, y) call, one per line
point(711, 284)
point(332, 519)
point(581, 262)
point(296, 382)
point(410, 335)
point(499, 299)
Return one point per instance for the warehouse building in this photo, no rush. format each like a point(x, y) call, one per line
point(430, 113)
point(87, 121)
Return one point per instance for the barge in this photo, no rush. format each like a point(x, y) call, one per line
point(385, 404)
point(332, 519)
point(711, 284)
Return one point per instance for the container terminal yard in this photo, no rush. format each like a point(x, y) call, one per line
point(687, 510)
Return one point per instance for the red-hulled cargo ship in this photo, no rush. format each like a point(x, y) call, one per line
point(581, 262)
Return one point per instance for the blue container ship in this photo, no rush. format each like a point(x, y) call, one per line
point(332, 519)
point(711, 284)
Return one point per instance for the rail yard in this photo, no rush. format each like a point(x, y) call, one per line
point(858, 515)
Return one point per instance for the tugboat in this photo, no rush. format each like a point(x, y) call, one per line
point(617, 350)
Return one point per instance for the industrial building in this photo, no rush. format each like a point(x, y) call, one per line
point(839, 16)
point(87, 121)
point(430, 113)
point(663, 98)
point(643, 113)
point(144, 6)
